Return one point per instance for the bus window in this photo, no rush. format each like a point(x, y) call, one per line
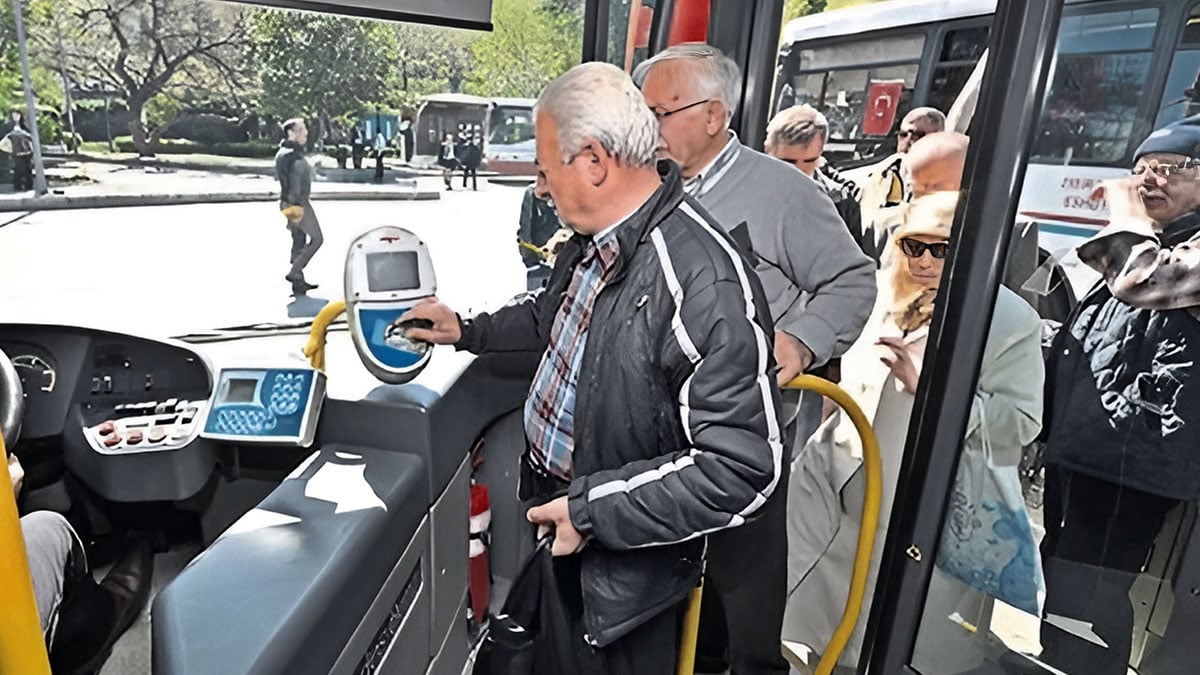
point(961, 49)
point(1181, 96)
point(629, 32)
point(836, 79)
point(1097, 87)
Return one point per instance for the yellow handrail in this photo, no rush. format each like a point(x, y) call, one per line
point(22, 645)
point(691, 631)
point(873, 468)
point(315, 349)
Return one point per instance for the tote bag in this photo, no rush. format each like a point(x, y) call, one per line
point(987, 541)
point(535, 633)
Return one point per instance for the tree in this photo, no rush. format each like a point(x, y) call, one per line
point(531, 44)
point(47, 86)
point(431, 60)
point(168, 58)
point(322, 66)
point(797, 8)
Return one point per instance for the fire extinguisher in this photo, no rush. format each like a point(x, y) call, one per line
point(479, 569)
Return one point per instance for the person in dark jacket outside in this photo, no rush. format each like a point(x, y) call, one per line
point(1123, 411)
point(22, 153)
point(652, 417)
point(538, 222)
point(379, 147)
point(820, 288)
point(472, 157)
point(295, 181)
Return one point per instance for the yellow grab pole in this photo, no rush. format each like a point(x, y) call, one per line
point(315, 349)
point(873, 468)
point(22, 645)
point(691, 631)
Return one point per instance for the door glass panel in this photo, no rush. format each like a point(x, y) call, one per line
point(1067, 541)
point(1091, 107)
point(629, 24)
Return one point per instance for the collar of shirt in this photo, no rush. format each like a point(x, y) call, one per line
point(714, 171)
point(605, 242)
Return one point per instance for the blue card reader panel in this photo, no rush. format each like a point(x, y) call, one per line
point(266, 405)
point(392, 351)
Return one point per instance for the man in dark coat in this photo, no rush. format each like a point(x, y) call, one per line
point(652, 419)
point(1123, 415)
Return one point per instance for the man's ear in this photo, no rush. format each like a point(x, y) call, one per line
point(598, 162)
point(716, 121)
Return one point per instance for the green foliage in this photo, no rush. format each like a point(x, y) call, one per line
point(430, 60)
point(181, 146)
point(49, 127)
point(313, 65)
point(793, 9)
point(532, 44)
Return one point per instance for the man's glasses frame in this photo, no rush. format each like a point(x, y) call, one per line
point(1166, 170)
point(915, 248)
point(663, 114)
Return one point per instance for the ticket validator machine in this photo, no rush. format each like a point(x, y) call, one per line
point(388, 270)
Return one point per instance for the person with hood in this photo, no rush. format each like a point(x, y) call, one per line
point(1123, 411)
point(295, 181)
point(881, 372)
point(652, 419)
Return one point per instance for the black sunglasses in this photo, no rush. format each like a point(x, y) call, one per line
point(916, 135)
point(915, 248)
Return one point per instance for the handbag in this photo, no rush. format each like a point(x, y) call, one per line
point(987, 541)
point(535, 633)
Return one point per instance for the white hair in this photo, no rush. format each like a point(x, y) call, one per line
point(598, 102)
point(712, 74)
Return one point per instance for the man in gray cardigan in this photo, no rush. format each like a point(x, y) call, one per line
point(820, 288)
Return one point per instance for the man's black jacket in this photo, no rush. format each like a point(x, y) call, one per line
point(675, 421)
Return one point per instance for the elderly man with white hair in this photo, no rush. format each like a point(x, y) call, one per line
point(652, 419)
point(820, 287)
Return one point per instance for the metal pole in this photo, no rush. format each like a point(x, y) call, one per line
point(62, 68)
point(107, 125)
point(39, 177)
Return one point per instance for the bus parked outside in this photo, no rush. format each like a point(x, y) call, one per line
point(507, 124)
point(1109, 88)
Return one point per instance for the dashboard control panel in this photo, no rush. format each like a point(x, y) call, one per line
point(276, 406)
point(146, 426)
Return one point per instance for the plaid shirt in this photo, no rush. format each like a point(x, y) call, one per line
point(550, 406)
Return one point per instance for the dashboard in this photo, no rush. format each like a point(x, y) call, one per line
point(125, 412)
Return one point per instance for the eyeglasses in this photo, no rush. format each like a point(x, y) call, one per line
point(916, 135)
point(914, 248)
point(663, 114)
point(1165, 170)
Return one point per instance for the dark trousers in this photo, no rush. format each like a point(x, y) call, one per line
point(22, 173)
point(306, 239)
point(745, 591)
point(649, 649)
point(379, 166)
point(1099, 536)
point(473, 172)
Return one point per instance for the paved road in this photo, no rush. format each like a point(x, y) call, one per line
point(167, 270)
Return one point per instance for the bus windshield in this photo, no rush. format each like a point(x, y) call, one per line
point(164, 213)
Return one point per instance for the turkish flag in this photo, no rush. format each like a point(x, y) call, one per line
point(883, 100)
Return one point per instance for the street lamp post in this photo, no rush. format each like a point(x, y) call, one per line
point(39, 178)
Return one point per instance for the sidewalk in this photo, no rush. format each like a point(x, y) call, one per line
point(108, 185)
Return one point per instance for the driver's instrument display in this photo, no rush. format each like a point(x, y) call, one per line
point(276, 406)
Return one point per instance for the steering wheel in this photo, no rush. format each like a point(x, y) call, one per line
point(12, 402)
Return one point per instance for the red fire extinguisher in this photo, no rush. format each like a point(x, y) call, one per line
point(479, 570)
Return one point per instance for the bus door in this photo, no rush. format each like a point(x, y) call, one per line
point(1098, 571)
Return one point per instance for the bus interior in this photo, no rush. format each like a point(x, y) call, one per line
point(310, 519)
